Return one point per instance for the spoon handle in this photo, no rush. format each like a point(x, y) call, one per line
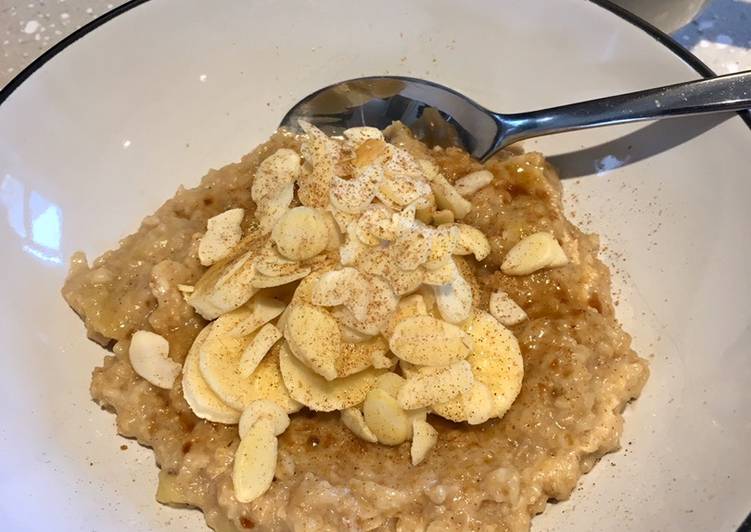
point(724, 93)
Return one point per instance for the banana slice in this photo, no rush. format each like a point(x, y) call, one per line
point(227, 284)
point(263, 409)
point(255, 461)
point(471, 183)
point(219, 358)
point(454, 300)
point(254, 352)
point(336, 236)
point(435, 384)
point(274, 173)
point(301, 233)
point(385, 418)
point(202, 400)
point(262, 309)
point(314, 338)
point(471, 240)
point(223, 232)
point(354, 421)
point(505, 309)
point(317, 393)
point(496, 359)
point(321, 155)
point(427, 341)
point(149, 356)
point(424, 438)
point(533, 253)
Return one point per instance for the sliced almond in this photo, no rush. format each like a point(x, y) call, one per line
point(219, 360)
point(496, 359)
point(336, 235)
point(380, 261)
point(471, 183)
point(353, 248)
point(354, 195)
point(391, 383)
point(559, 257)
point(447, 197)
point(409, 306)
point(357, 135)
point(344, 317)
point(335, 287)
point(301, 233)
point(354, 421)
point(186, 288)
point(444, 274)
point(262, 408)
point(271, 263)
point(202, 400)
point(321, 156)
point(257, 348)
point(474, 406)
point(264, 281)
point(403, 190)
point(224, 287)
point(375, 225)
point(505, 309)
point(353, 336)
point(149, 356)
point(383, 415)
point(343, 219)
point(424, 438)
point(454, 300)
point(223, 232)
point(531, 254)
point(411, 249)
point(271, 209)
point(262, 309)
point(425, 340)
point(435, 384)
point(354, 358)
point(274, 173)
point(471, 240)
point(255, 461)
point(314, 338)
point(444, 216)
point(317, 393)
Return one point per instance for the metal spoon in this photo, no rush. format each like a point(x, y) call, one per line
point(423, 105)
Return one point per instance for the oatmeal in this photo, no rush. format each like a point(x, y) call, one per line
point(363, 334)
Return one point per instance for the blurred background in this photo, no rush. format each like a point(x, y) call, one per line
point(717, 31)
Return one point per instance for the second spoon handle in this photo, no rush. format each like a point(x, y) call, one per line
point(723, 93)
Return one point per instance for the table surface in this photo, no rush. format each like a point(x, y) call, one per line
point(720, 36)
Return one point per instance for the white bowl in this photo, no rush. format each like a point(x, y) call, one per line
point(103, 133)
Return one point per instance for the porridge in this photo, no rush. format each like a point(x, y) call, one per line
point(362, 333)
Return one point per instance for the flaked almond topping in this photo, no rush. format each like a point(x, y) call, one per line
point(354, 421)
point(354, 195)
point(223, 232)
point(273, 207)
point(471, 183)
point(301, 233)
point(428, 341)
point(149, 356)
point(321, 156)
point(432, 385)
point(454, 300)
point(375, 225)
point(471, 240)
point(255, 461)
point(412, 249)
point(254, 352)
point(274, 173)
point(263, 408)
point(533, 253)
point(391, 383)
point(505, 309)
point(271, 263)
point(265, 281)
point(355, 136)
point(385, 418)
point(262, 309)
point(424, 438)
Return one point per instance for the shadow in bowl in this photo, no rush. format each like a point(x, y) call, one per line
point(641, 144)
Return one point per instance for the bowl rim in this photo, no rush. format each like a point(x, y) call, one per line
point(661, 37)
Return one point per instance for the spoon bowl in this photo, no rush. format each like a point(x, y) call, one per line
point(443, 116)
